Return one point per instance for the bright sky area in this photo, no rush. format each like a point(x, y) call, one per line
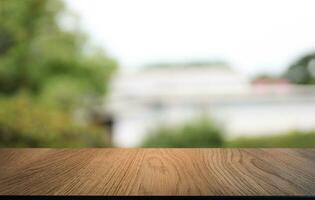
point(254, 36)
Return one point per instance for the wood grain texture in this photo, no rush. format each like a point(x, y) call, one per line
point(115, 171)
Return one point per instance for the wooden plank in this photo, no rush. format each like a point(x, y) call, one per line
point(153, 171)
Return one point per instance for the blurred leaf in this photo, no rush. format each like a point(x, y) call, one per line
point(198, 133)
point(29, 124)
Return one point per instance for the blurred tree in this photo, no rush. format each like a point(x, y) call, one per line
point(37, 55)
point(57, 72)
point(303, 70)
point(25, 123)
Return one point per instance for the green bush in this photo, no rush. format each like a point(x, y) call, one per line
point(25, 123)
point(203, 133)
point(296, 139)
point(199, 133)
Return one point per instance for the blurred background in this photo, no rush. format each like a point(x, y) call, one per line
point(157, 73)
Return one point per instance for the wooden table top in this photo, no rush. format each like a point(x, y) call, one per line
point(114, 171)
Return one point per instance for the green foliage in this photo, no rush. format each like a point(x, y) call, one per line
point(203, 133)
point(24, 123)
point(293, 139)
point(199, 133)
point(35, 51)
point(303, 70)
point(58, 71)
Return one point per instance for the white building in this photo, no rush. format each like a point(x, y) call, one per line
point(142, 100)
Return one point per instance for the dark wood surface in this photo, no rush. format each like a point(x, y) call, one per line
point(115, 171)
